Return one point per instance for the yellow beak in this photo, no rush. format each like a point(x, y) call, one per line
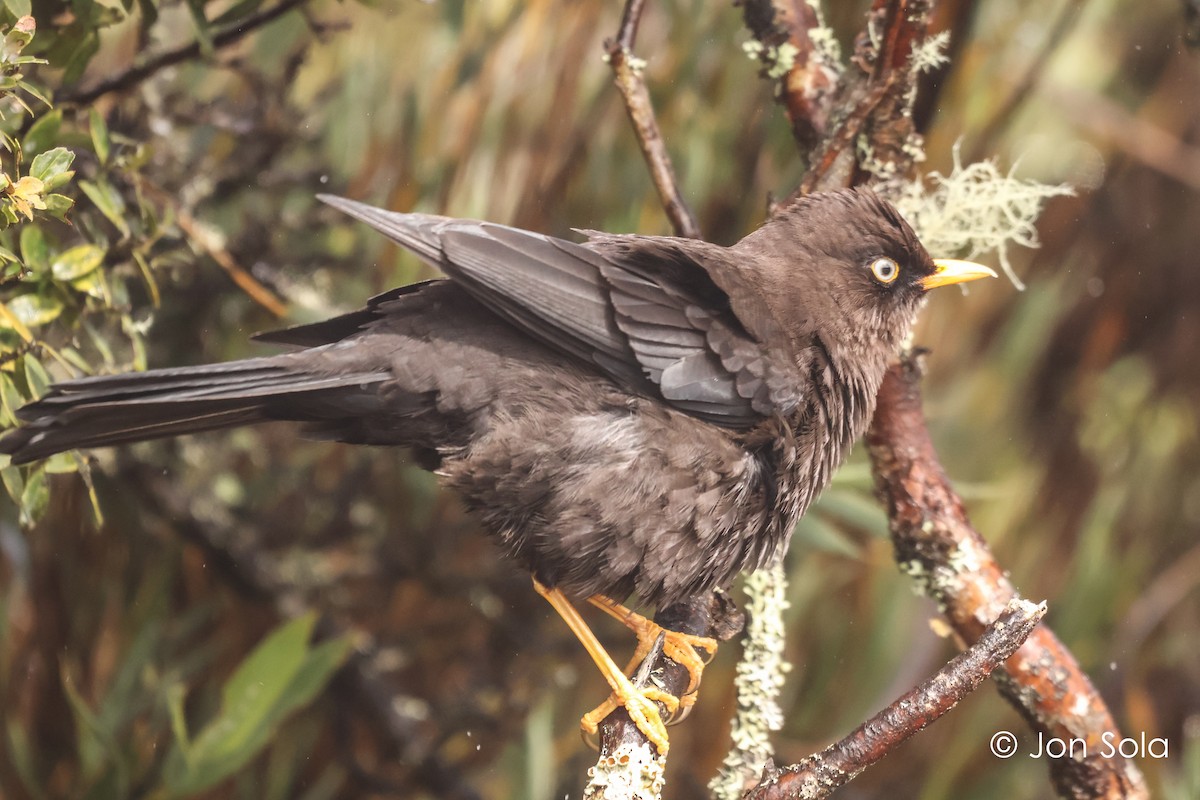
point(951, 271)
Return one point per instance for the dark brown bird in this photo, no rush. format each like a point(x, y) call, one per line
point(636, 415)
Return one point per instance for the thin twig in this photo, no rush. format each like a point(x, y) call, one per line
point(207, 241)
point(627, 69)
point(821, 774)
point(137, 73)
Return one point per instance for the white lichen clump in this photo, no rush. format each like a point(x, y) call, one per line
point(931, 53)
point(974, 210)
point(760, 677)
point(631, 772)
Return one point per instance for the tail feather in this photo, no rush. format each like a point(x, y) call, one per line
point(121, 409)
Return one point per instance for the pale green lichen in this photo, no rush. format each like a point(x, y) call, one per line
point(780, 60)
point(976, 209)
point(824, 41)
point(753, 49)
point(760, 677)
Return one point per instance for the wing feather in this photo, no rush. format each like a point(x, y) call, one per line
point(645, 310)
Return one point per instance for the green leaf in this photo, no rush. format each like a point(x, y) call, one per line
point(20, 35)
point(10, 399)
point(77, 262)
point(35, 90)
point(8, 256)
point(95, 744)
point(51, 164)
point(148, 277)
point(94, 284)
point(18, 8)
point(109, 201)
point(34, 250)
point(60, 464)
point(14, 484)
point(35, 309)
point(21, 756)
point(43, 133)
point(99, 131)
point(35, 377)
point(280, 676)
point(80, 55)
point(203, 36)
point(58, 204)
point(35, 497)
point(175, 698)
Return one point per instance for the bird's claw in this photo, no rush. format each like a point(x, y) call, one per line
point(642, 707)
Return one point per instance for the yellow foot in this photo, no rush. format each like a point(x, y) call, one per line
point(679, 647)
point(638, 702)
point(642, 707)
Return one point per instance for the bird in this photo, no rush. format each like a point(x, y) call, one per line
point(631, 416)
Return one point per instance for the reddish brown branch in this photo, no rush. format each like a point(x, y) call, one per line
point(821, 774)
point(874, 102)
point(807, 72)
point(936, 544)
point(628, 72)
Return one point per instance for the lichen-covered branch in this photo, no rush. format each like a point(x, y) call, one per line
point(936, 544)
point(760, 676)
point(800, 53)
point(821, 774)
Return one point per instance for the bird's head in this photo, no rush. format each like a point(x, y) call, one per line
point(854, 266)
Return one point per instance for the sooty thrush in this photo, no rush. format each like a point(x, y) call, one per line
point(636, 415)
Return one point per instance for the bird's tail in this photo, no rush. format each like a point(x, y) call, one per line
point(133, 407)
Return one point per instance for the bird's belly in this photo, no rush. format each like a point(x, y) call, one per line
point(619, 498)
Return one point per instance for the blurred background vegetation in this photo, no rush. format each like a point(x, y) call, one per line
point(136, 585)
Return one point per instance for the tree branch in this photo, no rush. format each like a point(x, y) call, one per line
point(137, 73)
point(821, 774)
point(936, 544)
point(796, 49)
point(627, 69)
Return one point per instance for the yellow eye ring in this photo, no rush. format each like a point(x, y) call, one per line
point(885, 269)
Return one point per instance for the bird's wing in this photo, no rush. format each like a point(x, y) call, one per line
point(644, 312)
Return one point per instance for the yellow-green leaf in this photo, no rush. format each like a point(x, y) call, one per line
point(34, 250)
point(10, 320)
point(73, 264)
point(109, 201)
point(99, 131)
point(31, 310)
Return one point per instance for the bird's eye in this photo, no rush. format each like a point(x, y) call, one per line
point(885, 270)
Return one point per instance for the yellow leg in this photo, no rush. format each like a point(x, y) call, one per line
point(638, 702)
point(679, 647)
